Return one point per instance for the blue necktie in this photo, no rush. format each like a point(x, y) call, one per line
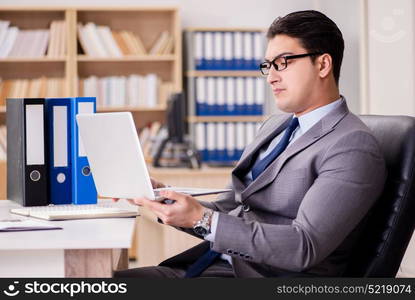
point(210, 256)
point(261, 165)
point(201, 263)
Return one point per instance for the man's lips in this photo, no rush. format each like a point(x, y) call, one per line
point(277, 90)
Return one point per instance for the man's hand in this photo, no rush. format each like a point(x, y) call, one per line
point(184, 212)
point(155, 184)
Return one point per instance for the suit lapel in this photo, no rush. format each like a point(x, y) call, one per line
point(245, 161)
point(269, 133)
point(315, 133)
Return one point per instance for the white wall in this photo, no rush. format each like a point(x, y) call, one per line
point(391, 57)
point(249, 13)
point(346, 15)
point(213, 13)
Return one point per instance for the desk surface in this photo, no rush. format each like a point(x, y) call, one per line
point(76, 234)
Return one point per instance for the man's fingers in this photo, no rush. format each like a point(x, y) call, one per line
point(131, 201)
point(150, 204)
point(162, 211)
point(174, 195)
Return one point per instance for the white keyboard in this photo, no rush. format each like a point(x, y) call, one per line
point(72, 212)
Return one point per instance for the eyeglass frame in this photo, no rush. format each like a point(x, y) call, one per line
point(286, 58)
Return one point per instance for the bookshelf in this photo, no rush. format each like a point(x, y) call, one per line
point(145, 22)
point(222, 78)
point(71, 63)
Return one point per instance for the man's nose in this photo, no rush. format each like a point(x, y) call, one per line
point(273, 75)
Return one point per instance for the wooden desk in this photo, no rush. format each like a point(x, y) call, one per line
point(84, 248)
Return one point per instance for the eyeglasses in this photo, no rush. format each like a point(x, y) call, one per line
point(280, 62)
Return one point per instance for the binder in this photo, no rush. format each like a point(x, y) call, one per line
point(250, 96)
point(198, 45)
point(83, 188)
point(259, 96)
point(201, 141)
point(221, 141)
point(60, 111)
point(211, 96)
point(27, 152)
point(218, 61)
point(230, 96)
point(208, 51)
point(240, 141)
point(70, 178)
point(220, 87)
point(228, 50)
point(238, 51)
point(258, 50)
point(201, 96)
point(240, 97)
point(211, 142)
point(248, 55)
point(230, 142)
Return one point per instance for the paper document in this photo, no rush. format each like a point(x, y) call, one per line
point(24, 225)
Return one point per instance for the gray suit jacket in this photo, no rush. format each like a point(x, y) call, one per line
point(303, 214)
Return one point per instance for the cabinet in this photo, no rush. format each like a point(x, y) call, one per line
point(227, 96)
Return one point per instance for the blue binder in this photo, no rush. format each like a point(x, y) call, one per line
point(83, 189)
point(59, 115)
point(70, 177)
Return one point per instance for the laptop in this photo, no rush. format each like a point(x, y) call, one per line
point(116, 159)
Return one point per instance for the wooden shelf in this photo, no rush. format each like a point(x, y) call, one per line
point(224, 73)
point(33, 59)
point(147, 22)
point(85, 58)
point(132, 109)
point(160, 108)
point(224, 29)
point(147, 9)
point(197, 119)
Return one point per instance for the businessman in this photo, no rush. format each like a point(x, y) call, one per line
point(301, 190)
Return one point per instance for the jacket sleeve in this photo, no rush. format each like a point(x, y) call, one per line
point(225, 202)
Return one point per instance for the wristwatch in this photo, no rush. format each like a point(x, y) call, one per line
point(202, 227)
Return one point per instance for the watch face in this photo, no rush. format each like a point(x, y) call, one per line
point(200, 230)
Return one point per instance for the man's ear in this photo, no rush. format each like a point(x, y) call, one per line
point(325, 64)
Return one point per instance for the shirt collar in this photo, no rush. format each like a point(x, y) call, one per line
point(308, 120)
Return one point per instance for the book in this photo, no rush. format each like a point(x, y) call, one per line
point(83, 41)
point(139, 44)
point(160, 43)
point(109, 42)
point(121, 43)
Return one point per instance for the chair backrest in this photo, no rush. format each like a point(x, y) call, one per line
point(391, 222)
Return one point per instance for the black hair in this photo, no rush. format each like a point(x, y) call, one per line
point(316, 33)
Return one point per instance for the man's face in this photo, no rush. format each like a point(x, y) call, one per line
point(292, 87)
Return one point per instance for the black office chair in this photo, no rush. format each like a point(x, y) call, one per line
point(391, 222)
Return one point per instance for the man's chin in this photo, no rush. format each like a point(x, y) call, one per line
point(282, 106)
